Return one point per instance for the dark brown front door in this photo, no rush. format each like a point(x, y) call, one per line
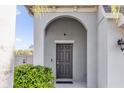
point(64, 56)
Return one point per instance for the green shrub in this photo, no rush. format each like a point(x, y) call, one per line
point(29, 76)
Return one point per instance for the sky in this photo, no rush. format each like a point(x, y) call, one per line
point(24, 28)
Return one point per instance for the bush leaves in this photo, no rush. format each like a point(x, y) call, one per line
point(29, 76)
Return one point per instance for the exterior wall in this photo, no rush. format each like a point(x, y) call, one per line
point(19, 59)
point(110, 57)
point(89, 21)
point(74, 31)
point(7, 40)
point(102, 53)
point(115, 56)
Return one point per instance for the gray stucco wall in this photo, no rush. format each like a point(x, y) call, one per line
point(89, 21)
point(115, 56)
point(110, 57)
point(74, 31)
point(102, 54)
point(102, 50)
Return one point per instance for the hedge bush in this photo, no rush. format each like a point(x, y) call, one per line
point(29, 76)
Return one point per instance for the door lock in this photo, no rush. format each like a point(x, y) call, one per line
point(51, 60)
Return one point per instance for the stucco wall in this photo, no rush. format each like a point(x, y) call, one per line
point(74, 31)
point(115, 56)
point(89, 21)
point(110, 57)
point(102, 53)
point(7, 40)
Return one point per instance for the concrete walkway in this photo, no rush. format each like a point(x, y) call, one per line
point(73, 85)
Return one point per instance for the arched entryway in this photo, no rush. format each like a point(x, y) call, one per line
point(66, 49)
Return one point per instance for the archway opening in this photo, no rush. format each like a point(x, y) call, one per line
point(66, 50)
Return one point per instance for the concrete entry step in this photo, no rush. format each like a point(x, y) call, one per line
point(65, 82)
point(71, 85)
point(64, 79)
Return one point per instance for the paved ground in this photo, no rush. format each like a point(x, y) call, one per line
point(74, 85)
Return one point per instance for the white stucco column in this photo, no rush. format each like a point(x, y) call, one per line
point(38, 57)
point(7, 42)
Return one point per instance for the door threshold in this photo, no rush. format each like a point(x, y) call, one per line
point(66, 81)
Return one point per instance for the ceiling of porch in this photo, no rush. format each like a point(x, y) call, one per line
point(64, 8)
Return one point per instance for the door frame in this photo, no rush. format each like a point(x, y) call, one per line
point(64, 42)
